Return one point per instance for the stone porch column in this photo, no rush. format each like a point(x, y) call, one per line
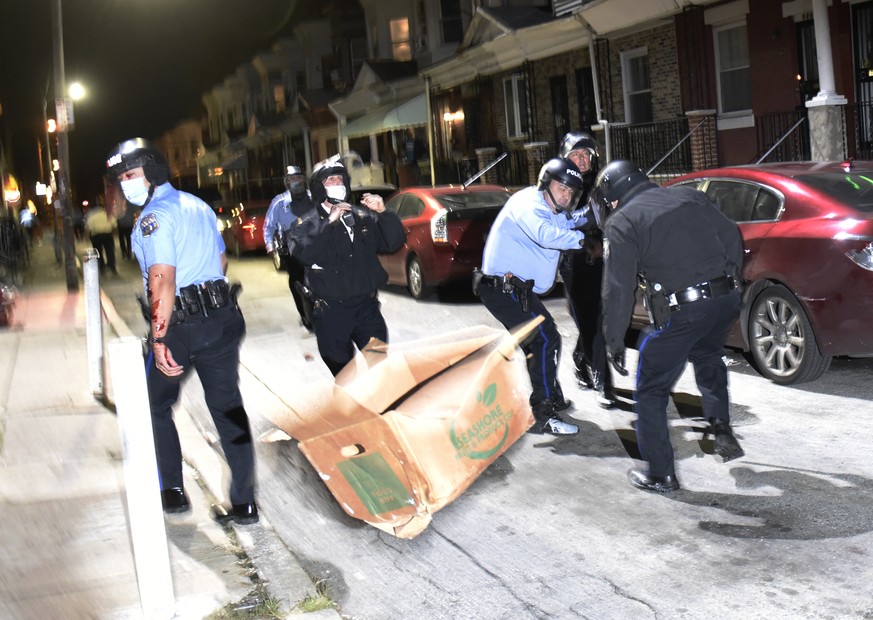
point(536, 157)
point(704, 141)
point(485, 156)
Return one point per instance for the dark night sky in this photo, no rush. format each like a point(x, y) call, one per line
point(145, 64)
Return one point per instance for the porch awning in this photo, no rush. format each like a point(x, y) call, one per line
point(410, 113)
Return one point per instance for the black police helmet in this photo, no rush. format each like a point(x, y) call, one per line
point(564, 171)
point(134, 153)
point(323, 169)
point(617, 178)
point(574, 141)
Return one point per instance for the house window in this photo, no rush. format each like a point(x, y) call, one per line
point(400, 45)
point(807, 69)
point(635, 82)
point(516, 105)
point(732, 64)
point(452, 25)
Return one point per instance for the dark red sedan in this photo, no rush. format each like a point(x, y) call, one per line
point(808, 233)
point(446, 227)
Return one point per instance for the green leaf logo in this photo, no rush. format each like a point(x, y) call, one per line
point(490, 395)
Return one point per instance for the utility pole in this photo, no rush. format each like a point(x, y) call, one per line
point(64, 194)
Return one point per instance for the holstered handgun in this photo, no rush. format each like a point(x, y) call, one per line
point(523, 289)
point(477, 280)
point(655, 301)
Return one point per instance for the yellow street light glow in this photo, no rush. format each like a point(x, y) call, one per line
point(76, 91)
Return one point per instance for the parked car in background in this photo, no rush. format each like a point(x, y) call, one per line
point(446, 227)
point(808, 234)
point(244, 231)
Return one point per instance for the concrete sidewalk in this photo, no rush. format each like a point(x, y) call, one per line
point(65, 546)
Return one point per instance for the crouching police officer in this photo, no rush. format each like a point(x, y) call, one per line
point(688, 257)
point(519, 263)
point(339, 245)
point(194, 319)
point(284, 210)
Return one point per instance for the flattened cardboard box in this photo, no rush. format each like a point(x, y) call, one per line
point(407, 428)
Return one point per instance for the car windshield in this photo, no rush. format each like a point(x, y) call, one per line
point(852, 188)
point(472, 200)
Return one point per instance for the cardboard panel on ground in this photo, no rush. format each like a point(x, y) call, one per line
point(408, 427)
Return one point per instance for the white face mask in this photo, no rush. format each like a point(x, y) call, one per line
point(135, 190)
point(337, 192)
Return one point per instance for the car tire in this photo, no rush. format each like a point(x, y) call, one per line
point(782, 342)
point(415, 281)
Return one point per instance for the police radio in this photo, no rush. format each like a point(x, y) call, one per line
point(347, 217)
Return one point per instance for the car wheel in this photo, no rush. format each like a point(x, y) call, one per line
point(415, 279)
point(783, 346)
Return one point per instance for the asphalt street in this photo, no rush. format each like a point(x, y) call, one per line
point(553, 529)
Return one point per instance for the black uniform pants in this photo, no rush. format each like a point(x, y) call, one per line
point(695, 333)
point(582, 286)
point(104, 243)
point(211, 347)
point(296, 271)
point(342, 324)
point(543, 351)
point(124, 241)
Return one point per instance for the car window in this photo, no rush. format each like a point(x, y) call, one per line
point(852, 188)
point(410, 207)
point(735, 199)
point(767, 206)
point(472, 200)
point(394, 203)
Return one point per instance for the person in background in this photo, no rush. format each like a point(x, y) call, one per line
point(519, 263)
point(687, 255)
point(339, 245)
point(125, 222)
point(285, 209)
point(100, 227)
point(195, 322)
point(582, 273)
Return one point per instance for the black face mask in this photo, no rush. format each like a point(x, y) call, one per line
point(297, 189)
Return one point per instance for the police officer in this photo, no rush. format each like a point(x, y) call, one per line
point(689, 256)
point(284, 210)
point(519, 263)
point(194, 322)
point(582, 273)
point(339, 245)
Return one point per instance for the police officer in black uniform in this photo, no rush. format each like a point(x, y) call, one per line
point(194, 322)
point(284, 210)
point(688, 256)
point(582, 273)
point(339, 244)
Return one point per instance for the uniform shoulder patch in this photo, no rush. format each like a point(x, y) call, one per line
point(148, 224)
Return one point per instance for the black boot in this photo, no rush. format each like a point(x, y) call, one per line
point(726, 445)
point(583, 371)
point(605, 393)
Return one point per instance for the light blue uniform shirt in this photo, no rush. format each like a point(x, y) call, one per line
point(178, 229)
point(279, 217)
point(527, 238)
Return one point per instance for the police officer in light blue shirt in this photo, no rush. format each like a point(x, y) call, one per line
point(519, 263)
point(194, 319)
point(285, 209)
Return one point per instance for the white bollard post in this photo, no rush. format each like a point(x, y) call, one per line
point(93, 320)
point(147, 532)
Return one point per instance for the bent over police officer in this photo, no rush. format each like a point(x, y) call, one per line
point(339, 245)
point(687, 255)
point(194, 322)
point(519, 263)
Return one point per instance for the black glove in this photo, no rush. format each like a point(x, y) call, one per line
point(616, 359)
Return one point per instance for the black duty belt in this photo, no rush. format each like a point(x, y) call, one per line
point(199, 299)
point(495, 281)
point(705, 290)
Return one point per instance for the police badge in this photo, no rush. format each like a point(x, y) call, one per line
point(148, 224)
